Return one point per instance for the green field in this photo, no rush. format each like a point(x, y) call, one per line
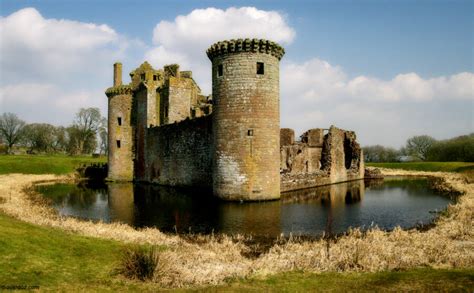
point(56, 260)
point(44, 164)
point(427, 166)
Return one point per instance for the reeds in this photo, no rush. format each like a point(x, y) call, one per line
point(205, 260)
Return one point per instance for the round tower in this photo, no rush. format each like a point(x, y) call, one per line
point(120, 130)
point(246, 119)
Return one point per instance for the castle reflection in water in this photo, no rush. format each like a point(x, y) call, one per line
point(328, 209)
point(174, 210)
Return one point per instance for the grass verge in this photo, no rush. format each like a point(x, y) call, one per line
point(427, 166)
point(55, 260)
point(44, 164)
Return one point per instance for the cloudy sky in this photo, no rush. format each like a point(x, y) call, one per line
point(386, 69)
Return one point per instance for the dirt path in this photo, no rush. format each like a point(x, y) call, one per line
point(211, 260)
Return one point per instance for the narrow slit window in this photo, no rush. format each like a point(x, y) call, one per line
point(142, 76)
point(260, 68)
point(155, 78)
point(118, 144)
point(250, 132)
point(220, 70)
point(119, 121)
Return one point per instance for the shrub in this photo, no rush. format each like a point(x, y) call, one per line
point(139, 262)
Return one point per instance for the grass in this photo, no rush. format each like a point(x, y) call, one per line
point(420, 280)
point(59, 261)
point(427, 166)
point(44, 164)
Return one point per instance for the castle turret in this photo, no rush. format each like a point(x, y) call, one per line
point(246, 119)
point(120, 130)
point(145, 81)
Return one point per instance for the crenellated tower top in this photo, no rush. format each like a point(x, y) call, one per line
point(245, 45)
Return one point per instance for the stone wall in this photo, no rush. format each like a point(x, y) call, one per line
point(320, 159)
point(246, 120)
point(120, 133)
point(179, 154)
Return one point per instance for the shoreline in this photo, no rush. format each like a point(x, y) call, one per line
point(213, 259)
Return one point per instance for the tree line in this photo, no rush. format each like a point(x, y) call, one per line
point(87, 134)
point(425, 148)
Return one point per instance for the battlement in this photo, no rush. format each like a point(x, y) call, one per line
point(118, 90)
point(245, 45)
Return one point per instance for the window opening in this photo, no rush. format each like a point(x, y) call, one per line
point(220, 70)
point(118, 143)
point(142, 76)
point(119, 120)
point(260, 68)
point(250, 132)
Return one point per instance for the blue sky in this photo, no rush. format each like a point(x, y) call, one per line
point(386, 69)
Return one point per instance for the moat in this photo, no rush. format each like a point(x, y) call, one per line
point(331, 209)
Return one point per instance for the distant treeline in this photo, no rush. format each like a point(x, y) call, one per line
point(425, 148)
point(87, 134)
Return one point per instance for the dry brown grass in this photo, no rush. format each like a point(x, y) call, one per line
point(212, 260)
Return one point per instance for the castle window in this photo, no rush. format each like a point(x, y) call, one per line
point(220, 70)
point(155, 78)
point(118, 144)
point(119, 120)
point(142, 76)
point(250, 132)
point(260, 68)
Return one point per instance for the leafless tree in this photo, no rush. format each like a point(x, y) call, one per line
point(11, 129)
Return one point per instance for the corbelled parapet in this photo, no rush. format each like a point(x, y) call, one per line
point(245, 45)
point(118, 90)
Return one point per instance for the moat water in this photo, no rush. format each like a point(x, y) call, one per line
point(330, 209)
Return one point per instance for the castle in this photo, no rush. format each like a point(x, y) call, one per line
point(162, 130)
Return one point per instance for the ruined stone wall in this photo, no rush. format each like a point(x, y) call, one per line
point(181, 92)
point(120, 134)
point(179, 154)
point(320, 159)
point(246, 120)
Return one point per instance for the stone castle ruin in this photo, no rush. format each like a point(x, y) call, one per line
point(163, 130)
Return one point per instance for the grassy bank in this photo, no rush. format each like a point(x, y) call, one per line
point(44, 164)
point(56, 260)
point(427, 166)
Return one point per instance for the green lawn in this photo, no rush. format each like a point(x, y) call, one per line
point(427, 166)
point(44, 164)
point(56, 260)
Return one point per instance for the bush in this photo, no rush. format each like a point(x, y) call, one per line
point(139, 262)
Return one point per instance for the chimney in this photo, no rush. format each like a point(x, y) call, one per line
point(117, 74)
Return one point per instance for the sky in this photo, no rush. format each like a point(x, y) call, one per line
point(388, 70)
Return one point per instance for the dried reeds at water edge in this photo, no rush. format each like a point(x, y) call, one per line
point(204, 260)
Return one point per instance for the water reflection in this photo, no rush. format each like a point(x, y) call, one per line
point(329, 209)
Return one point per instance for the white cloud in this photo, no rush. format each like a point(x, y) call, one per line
point(186, 39)
point(38, 102)
point(49, 68)
point(381, 111)
point(33, 47)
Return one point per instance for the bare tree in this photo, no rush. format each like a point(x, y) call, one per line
point(419, 146)
point(103, 135)
point(11, 129)
point(84, 130)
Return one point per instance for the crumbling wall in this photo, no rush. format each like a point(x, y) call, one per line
point(320, 159)
point(300, 157)
point(179, 154)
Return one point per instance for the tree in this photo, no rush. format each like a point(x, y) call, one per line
point(39, 137)
point(419, 146)
point(83, 132)
point(103, 135)
point(378, 153)
point(11, 129)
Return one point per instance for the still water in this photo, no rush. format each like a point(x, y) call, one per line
point(332, 209)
